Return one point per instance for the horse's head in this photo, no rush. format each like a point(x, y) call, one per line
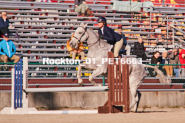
point(80, 35)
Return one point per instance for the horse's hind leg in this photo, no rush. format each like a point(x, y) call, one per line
point(135, 98)
point(97, 72)
point(137, 104)
point(80, 81)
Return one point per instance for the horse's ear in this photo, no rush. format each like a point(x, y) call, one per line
point(85, 25)
point(82, 24)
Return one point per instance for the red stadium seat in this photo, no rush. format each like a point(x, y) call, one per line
point(67, 1)
point(108, 2)
point(54, 1)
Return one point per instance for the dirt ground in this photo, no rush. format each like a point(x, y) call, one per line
point(147, 115)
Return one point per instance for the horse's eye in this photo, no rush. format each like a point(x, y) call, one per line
point(80, 32)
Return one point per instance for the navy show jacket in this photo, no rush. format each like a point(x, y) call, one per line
point(109, 35)
point(4, 24)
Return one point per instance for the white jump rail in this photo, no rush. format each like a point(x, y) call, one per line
point(65, 112)
point(27, 110)
point(67, 89)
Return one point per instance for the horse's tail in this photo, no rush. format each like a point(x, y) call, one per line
point(160, 74)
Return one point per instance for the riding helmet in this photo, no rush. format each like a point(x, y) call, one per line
point(102, 19)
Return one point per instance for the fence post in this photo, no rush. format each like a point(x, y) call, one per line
point(25, 68)
point(21, 83)
point(150, 16)
point(15, 83)
point(12, 91)
point(163, 3)
point(110, 83)
point(173, 35)
point(126, 88)
point(103, 81)
point(167, 28)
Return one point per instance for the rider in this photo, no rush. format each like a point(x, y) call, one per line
point(108, 34)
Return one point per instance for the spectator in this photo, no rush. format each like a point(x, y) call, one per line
point(7, 50)
point(182, 61)
point(165, 60)
point(78, 50)
point(139, 49)
point(125, 46)
point(82, 7)
point(4, 23)
point(174, 59)
point(154, 60)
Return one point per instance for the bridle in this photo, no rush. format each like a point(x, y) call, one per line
point(85, 29)
point(89, 45)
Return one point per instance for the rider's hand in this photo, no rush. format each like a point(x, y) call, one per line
point(101, 36)
point(76, 5)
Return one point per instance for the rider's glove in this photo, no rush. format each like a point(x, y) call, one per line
point(101, 36)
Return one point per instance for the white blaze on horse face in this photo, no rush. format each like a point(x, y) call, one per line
point(73, 42)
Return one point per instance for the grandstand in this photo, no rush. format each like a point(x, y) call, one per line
point(44, 29)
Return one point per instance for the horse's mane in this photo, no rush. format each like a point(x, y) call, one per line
point(92, 31)
point(72, 36)
point(101, 40)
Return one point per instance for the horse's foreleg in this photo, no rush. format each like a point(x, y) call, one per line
point(80, 81)
point(97, 72)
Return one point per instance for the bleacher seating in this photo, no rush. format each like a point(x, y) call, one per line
point(44, 28)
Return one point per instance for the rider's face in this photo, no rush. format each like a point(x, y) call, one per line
point(100, 24)
point(119, 30)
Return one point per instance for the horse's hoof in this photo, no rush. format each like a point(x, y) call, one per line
point(81, 83)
